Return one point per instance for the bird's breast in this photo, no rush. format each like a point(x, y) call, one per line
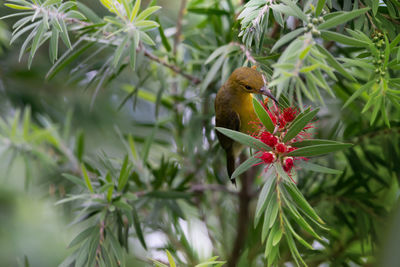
point(248, 118)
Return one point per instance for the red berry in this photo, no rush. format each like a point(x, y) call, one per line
point(268, 157)
point(281, 148)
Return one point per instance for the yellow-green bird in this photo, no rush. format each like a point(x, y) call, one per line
point(234, 109)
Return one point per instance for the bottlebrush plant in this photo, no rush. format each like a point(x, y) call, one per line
point(282, 145)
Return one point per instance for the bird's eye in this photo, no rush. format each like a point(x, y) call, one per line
point(248, 87)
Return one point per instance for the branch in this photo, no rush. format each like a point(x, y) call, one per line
point(101, 240)
point(247, 52)
point(245, 197)
point(179, 26)
point(174, 68)
point(200, 188)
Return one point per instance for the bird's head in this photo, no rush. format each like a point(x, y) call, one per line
point(249, 80)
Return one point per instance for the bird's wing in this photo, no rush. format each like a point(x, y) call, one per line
point(230, 120)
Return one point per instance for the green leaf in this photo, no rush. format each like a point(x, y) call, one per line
point(250, 162)
point(135, 10)
point(74, 179)
point(54, 44)
point(144, 37)
point(395, 42)
point(64, 34)
point(145, 25)
point(92, 16)
point(297, 11)
point(287, 38)
point(75, 15)
point(375, 5)
point(122, 205)
point(18, 7)
point(147, 12)
point(118, 252)
point(119, 51)
point(213, 71)
point(320, 6)
point(378, 102)
point(301, 202)
point(317, 168)
point(272, 213)
point(67, 58)
point(277, 237)
point(358, 92)
point(138, 228)
point(342, 18)
point(80, 146)
point(170, 259)
point(298, 125)
point(334, 63)
point(51, 2)
point(124, 174)
point(40, 30)
point(244, 139)
point(263, 115)
point(164, 38)
point(299, 238)
point(317, 150)
point(300, 220)
point(87, 179)
point(111, 188)
point(313, 142)
point(82, 236)
point(343, 39)
point(262, 201)
point(387, 52)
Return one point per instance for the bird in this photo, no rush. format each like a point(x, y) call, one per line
point(234, 109)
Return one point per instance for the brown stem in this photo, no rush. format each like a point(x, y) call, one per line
point(200, 188)
point(368, 15)
point(174, 68)
point(98, 250)
point(245, 196)
point(247, 52)
point(179, 26)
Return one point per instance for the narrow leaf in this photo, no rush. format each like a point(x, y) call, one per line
point(87, 179)
point(342, 18)
point(244, 139)
point(299, 125)
point(317, 150)
point(263, 115)
point(250, 162)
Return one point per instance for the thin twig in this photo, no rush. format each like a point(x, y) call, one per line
point(101, 240)
point(247, 52)
point(174, 68)
point(199, 188)
point(368, 15)
point(178, 32)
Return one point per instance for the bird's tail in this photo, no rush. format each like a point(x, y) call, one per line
point(230, 164)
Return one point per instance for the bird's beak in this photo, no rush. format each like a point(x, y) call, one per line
point(265, 91)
